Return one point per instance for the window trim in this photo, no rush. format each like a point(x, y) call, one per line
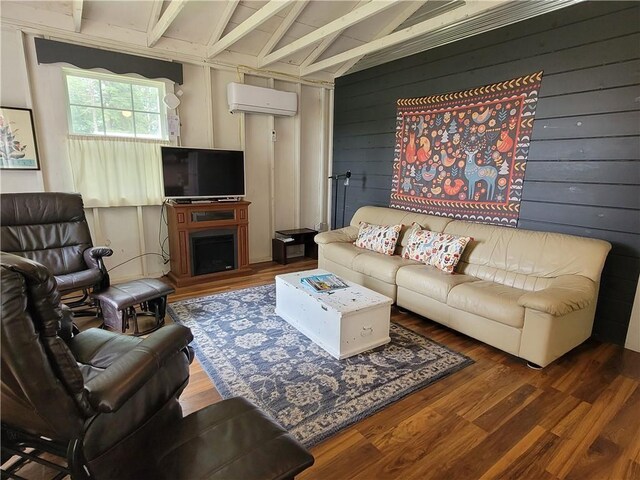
point(75, 72)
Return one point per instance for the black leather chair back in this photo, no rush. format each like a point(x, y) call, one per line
point(48, 227)
point(96, 390)
point(34, 395)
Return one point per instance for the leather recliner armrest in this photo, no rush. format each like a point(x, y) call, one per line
point(564, 295)
point(108, 391)
point(346, 235)
point(93, 256)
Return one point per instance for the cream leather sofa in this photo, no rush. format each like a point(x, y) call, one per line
point(532, 294)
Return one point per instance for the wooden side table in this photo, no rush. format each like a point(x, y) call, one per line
point(300, 236)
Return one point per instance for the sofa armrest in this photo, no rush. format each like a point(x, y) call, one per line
point(345, 235)
point(564, 295)
point(109, 390)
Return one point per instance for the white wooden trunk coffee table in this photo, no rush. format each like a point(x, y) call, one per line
point(344, 322)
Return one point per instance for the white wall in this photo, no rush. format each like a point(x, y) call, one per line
point(284, 183)
point(14, 92)
point(633, 333)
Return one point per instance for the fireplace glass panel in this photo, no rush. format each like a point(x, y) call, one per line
point(213, 251)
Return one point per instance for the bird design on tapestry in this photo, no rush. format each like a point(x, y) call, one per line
point(450, 189)
point(427, 174)
point(424, 152)
point(410, 151)
point(481, 117)
point(505, 143)
point(446, 160)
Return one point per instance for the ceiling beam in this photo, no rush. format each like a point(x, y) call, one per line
point(165, 21)
point(342, 23)
point(389, 28)
point(326, 43)
point(76, 13)
point(284, 27)
point(229, 8)
point(156, 9)
point(248, 26)
point(471, 10)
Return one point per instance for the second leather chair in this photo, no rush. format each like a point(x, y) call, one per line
point(110, 402)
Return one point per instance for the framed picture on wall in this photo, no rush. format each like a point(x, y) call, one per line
point(18, 149)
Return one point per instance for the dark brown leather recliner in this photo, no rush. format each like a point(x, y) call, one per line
point(109, 402)
point(51, 228)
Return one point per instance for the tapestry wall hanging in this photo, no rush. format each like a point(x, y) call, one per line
point(463, 154)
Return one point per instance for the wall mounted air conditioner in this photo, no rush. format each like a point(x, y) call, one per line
point(247, 98)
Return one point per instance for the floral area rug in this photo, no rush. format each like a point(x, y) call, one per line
point(249, 351)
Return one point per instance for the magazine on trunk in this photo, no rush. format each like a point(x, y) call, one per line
point(323, 283)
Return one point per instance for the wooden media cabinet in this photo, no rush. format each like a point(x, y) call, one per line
point(208, 241)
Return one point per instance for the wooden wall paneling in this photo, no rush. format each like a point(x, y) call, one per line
point(593, 78)
point(614, 50)
point(583, 174)
point(621, 196)
point(487, 67)
point(496, 37)
point(603, 218)
point(621, 172)
point(618, 99)
point(618, 148)
point(614, 124)
point(623, 243)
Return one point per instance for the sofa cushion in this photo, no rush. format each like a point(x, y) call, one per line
point(440, 250)
point(490, 300)
point(430, 281)
point(381, 267)
point(342, 253)
point(524, 258)
point(378, 238)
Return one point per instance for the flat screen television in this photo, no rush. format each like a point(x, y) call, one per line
point(202, 173)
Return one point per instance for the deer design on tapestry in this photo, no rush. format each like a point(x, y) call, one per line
point(474, 173)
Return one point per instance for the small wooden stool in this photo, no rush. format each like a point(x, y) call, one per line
point(118, 304)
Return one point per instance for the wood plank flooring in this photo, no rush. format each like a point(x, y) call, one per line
point(577, 418)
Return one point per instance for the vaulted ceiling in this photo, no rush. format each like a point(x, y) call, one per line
point(310, 39)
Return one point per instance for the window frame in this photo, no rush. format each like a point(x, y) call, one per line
point(110, 77)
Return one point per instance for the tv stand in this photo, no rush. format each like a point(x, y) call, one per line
point(207, 241)
point(200, 201)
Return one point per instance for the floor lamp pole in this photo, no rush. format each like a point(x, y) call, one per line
point(335, 179)
point(335, 202)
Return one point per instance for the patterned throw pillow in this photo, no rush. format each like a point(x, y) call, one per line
point(440, 250)
point(378, 238)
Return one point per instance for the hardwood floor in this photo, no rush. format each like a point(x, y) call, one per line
point(577, 418)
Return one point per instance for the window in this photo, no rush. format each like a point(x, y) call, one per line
point(115, 105)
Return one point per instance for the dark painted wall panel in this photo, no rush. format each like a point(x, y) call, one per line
point(601, 125)
point(583, 175)
point(623, 196)
point(603, 218)
point(494, 49)
point(623, 172)
point(620, 148)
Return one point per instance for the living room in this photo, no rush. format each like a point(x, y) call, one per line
point(581, 178)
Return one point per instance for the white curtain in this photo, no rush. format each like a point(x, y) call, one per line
point(116, 172)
